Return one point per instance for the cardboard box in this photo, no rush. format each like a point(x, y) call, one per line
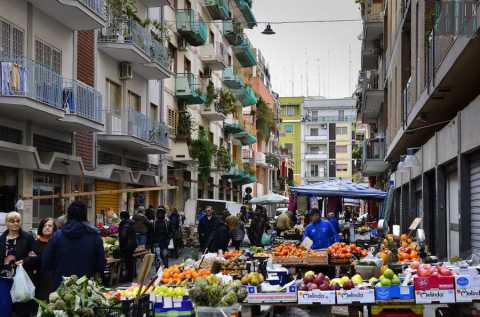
point(432, 296)
point(255, 296)
point(386, 293)
point(316, 297)
point(467, 288)
point(434, 282)
point(356, 295)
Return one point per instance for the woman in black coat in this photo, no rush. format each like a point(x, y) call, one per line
point(41, 278)
point(16, 246)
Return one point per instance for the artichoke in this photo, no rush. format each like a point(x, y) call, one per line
point(214, 295)
point(242, 294)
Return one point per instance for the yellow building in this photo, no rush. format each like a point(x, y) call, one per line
point(290, 132)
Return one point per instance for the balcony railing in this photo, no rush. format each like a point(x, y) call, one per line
point(246, 96)
point(188, 89)
point(245, 7)
point(83, 100)
point(373, 149)
point(160, 54)
point(408, 100)
point(231, 79)
point(97, 6)
point(245, 54)
point(233, 32)
point(192, 27)
point(141, 127)
point(214, 54)
point(159, 134)
point(125, 30)
point(218, 9)
point(25, 78)
point(326, 119)
point(374, 12)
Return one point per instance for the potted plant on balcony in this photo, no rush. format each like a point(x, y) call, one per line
point(264, 121)
point(211, 96)
point(185, 126)
point(203, 150)
point(226, 102)
point(223, 161)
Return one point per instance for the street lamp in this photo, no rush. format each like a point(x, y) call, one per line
point(268, 30)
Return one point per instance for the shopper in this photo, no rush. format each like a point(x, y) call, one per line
point(321, 232)
point(220, 236)
point(41, 278)
point(16, 245)
point(141, 227)
point(76, 249)
point(243, 214)
point(237, 231)
point(162, 234)
point(206, 227)
point(127, 240)
point(175, 221)
point(258, 226)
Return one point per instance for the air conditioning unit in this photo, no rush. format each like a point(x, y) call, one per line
point(126, 71)
point(182, 44)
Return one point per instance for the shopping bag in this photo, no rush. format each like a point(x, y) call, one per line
point(23, 289)
point(266, 239)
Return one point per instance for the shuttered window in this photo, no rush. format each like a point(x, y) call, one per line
point(172, 121)
point(11, 40)
point(114, 97)
point(48, 56)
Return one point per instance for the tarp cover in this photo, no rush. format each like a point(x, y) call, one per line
point(269, 199)
point(342, 188)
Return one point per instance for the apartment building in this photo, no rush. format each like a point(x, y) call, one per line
point(290, 137)
point(327, 138)
point(426, 114)
point(209, 96)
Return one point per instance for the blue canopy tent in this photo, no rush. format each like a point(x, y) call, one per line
point(339, 188)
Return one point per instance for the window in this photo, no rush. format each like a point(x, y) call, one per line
point(341, 149)
point(172, 121)
point(48, 56)
point(288, 149)
point(211, 37)
point(314, 170)
point(289, 111)
point(187, 65)
point(341, 130)
point(315, 115)
point(153, 113)
point(11, 40)
point(113, 95)
point(288, 128)
point(172, 50)
point(342, 167)
point(341, 115)
point(134, 102)
point(318, 148)
point(313, 131)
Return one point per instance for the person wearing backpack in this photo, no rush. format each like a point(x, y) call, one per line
point(127, 240)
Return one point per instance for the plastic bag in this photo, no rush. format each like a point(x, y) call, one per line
point(23, 289)
point(266, 239)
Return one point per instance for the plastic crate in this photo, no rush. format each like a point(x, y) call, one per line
point(216, 311)
point(391, 310)
point(128, 308)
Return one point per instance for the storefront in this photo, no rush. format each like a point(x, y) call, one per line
point(105, 202)
point(8, 188)
point(45, 184)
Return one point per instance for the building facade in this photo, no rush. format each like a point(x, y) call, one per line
point(327, 138)
point(290, 137)
point(424, 134)
point(99, 98)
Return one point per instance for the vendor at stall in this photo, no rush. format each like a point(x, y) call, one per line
point(320, 231)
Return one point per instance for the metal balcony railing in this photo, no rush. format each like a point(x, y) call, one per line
point(192, 27)
point(233, 32)
point(373, 12)
point(126, 30)
point(97, 6)
point(245, 7)
point(188, 89)
point(245, 54)
point(326, 119)
point(408, 100)
point(159, 134)
point(83, 100)
point(373, 149)
point(160, 54)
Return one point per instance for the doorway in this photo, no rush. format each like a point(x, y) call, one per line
point(453, 215)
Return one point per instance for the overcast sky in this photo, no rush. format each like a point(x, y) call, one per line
point(330, 51)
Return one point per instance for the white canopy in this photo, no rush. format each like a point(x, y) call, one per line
point(269, 199)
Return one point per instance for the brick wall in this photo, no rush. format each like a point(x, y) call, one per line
point(84, 140)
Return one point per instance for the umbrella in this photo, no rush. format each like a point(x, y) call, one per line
point(269, 199)
point(342, 188)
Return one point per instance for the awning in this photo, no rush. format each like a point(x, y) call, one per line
point(340, 188)
point(269, 199)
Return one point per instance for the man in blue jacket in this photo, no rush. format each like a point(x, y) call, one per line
point(321, 232)
point(75, 249)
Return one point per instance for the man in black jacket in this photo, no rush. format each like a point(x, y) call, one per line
point(206, 227)
point(220, 237)
point(128, 243)
point(162, 233)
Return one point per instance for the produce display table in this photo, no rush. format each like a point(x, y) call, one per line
point(114, 269)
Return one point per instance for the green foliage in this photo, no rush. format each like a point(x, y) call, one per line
point(211, 95)
point(226, 102)
point(265, 120)
point(356, 153)
point(185, 126)
point(203, 150)
point(223, 159)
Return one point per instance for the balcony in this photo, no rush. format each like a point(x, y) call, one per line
point(155, 3)
point(75, 14)
point(214, 55)
point(243, 9)
point(218, 9)
point(407, 98)
point(40, 95)
point(160, 67)
point(372, 33)
point(246, 96)
point(326, 119)
point(322, 136)
point(215, 114)
point(373, 96)
point(316, 156)
point(188, 89)
point(232, 80)
point(233, 32)
point(245, 54)
point(192, 27)
point(245, 137)
point(373, 157)
point(134, 132)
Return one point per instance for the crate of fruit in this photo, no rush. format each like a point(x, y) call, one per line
point(318, 257)
point(288, 260)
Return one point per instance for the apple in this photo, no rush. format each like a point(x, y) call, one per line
point(445, 272)
point(349, 285)
point(325, 286)
point(303, 287)
point(308, 279)
point(312, 286)
point(321, 276)
point(318, 280)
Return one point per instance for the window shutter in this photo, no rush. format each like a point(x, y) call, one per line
point(57, 61)
point(5, 39)
point(18, 42)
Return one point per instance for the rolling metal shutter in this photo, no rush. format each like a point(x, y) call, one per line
point(103, 202)
point(475, 201)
